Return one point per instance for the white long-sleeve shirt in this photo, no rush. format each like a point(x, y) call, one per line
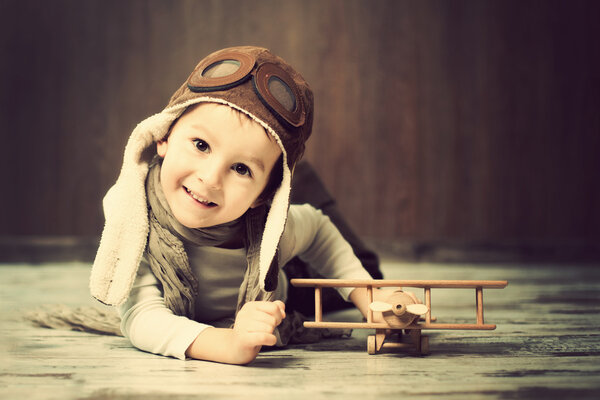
point(152, 327)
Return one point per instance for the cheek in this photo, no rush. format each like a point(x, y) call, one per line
point(168, 174)
point(246, 194)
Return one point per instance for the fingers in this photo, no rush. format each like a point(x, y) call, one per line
point(269, 312)
point(256, 322)
point(275, 308)
point(281, 306)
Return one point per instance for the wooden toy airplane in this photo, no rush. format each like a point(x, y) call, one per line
point(400, 310)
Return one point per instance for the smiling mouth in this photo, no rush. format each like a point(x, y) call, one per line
point(199, 199)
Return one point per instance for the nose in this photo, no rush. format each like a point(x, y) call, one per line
point(210, 173)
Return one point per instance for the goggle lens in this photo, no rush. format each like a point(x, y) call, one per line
point(222, 68)
point(282, 93)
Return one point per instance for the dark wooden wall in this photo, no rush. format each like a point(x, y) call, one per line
point(436, 120)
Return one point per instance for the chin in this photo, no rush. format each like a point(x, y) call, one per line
point(189, 223)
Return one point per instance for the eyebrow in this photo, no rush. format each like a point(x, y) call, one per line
point(200, 127)
point(258, 162)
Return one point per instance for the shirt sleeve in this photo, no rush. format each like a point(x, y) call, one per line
point(310, 235)
point(150, 325)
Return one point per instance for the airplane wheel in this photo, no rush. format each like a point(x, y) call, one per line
point(371, 346)
point(424, 345)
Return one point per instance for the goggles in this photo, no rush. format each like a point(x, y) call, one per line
point(274, 86)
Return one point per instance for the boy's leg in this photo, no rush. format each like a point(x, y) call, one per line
point(308, 188)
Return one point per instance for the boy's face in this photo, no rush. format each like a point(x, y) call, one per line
point(216, 164)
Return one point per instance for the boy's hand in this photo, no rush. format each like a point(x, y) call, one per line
point(254, 327)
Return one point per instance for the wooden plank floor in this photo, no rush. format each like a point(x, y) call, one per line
point(547, 345)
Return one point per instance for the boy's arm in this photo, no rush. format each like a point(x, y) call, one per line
point(359, 297)
point(312, 237)
point(319, 243)
point(254, 327)
point(151, 326)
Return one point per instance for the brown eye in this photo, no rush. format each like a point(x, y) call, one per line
point(201, 145)
point(242, 169)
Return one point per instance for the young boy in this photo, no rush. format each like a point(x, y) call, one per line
point(198, 224)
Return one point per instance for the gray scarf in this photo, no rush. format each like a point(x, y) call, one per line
point(169, 261)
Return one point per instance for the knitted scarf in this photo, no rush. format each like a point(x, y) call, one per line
point(169, 261)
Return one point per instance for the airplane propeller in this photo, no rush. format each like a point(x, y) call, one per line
point(415, 309)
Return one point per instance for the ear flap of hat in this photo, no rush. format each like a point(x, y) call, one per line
point(275, 224)
point(126, 227)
